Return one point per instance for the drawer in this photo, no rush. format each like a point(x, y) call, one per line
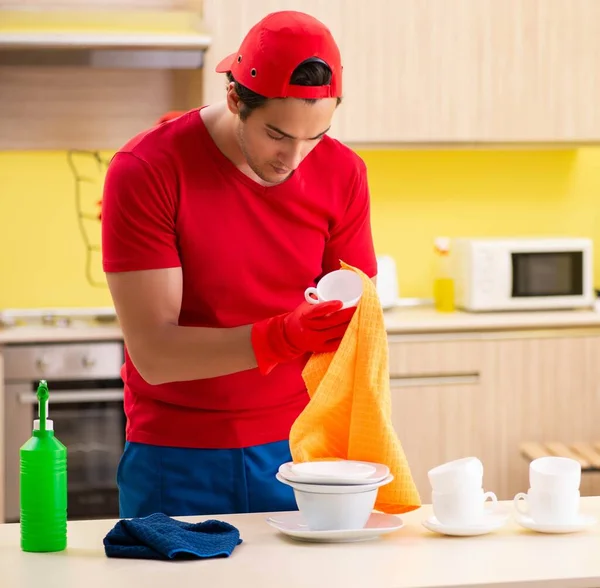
point(435, 358)
point(64, 361)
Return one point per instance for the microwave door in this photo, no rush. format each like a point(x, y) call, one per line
point(547, 274)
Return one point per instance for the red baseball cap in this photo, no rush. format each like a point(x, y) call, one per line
point(275, 47)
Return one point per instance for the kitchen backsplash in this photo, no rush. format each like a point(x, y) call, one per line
point(50, 238)
point(418, 195)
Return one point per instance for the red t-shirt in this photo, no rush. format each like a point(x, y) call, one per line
point(247, 252)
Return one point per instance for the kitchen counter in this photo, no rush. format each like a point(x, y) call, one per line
point(400, 321)
point(51, 334)
point(410, 557)
point(428, 320)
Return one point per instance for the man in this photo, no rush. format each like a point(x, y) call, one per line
point(214, 223)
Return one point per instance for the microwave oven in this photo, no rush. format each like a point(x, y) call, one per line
point(496, 274)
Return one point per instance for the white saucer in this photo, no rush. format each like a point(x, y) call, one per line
point(583, 522)
point(379, 473)
point(292, 524)
point(490, 522)
point(331, 489)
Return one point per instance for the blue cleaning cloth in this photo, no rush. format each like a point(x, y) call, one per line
point(158, 536)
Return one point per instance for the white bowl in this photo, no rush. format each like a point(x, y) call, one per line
point(335, 512)
point(335, 508)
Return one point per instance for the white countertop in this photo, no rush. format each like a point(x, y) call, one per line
point(397, 321)
point(428, 320)
point(410, 557)
point(83, 331)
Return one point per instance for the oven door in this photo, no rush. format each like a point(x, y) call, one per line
point(89, 420)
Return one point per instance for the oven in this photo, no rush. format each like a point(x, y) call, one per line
point(86, 405)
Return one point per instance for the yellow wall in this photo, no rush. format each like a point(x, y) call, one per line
point(42, 252)
point(416, 195)
point(419, 195)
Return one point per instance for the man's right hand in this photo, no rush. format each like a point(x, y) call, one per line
point(309, 328)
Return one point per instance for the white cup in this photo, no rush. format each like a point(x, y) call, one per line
point(344, 285)
point(463, 507)
point(545, 507)
point(466, 472)
point(555, 474)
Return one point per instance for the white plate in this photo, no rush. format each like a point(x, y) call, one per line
point(333, 470)
point(379, 473)
point(582, 522)
point(331, 489)
point(491, 522)
point(292, 524)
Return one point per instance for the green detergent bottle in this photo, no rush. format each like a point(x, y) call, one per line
point(43, 481)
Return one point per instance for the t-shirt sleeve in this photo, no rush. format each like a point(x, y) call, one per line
point(138, 217)
point(351, 239)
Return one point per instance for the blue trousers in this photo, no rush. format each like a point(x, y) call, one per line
point(180, 482)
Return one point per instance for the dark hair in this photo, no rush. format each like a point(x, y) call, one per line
point(312, 72)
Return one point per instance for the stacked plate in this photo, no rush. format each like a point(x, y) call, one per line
point(335, 495)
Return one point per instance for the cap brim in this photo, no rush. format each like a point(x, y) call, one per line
point(225, 64)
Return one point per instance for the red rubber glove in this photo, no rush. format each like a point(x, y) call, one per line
point(309, 328)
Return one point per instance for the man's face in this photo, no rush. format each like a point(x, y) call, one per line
point(276, 137)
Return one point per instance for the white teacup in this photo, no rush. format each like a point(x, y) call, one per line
point(555, 474)
point(463, 507)
point(466, 472)
point(548, 507)
point(344, 285)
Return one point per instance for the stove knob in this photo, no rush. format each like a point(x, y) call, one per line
point(88, 362)
point(41, 364)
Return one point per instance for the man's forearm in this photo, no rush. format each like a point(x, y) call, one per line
point(175, 354)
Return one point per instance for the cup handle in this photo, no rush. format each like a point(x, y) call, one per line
point(517, 503)
point(309, 298)
point(493, 498)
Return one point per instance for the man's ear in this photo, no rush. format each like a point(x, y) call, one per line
point(233, 100)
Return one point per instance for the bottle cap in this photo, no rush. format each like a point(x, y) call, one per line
point(442, 244)
point(49, 425)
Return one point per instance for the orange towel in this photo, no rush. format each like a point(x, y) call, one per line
point(349, 412)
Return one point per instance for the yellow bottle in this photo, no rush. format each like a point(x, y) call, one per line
point(443, 285)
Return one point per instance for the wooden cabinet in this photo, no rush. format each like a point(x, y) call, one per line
point(446, 71)
point(92, 78)
point(484, 394)
point(440, 408)
point(418, 72)
point(434, 425)
point(548, 389)
point(538, 70)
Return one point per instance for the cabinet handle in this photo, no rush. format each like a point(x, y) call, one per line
point(439, 380)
